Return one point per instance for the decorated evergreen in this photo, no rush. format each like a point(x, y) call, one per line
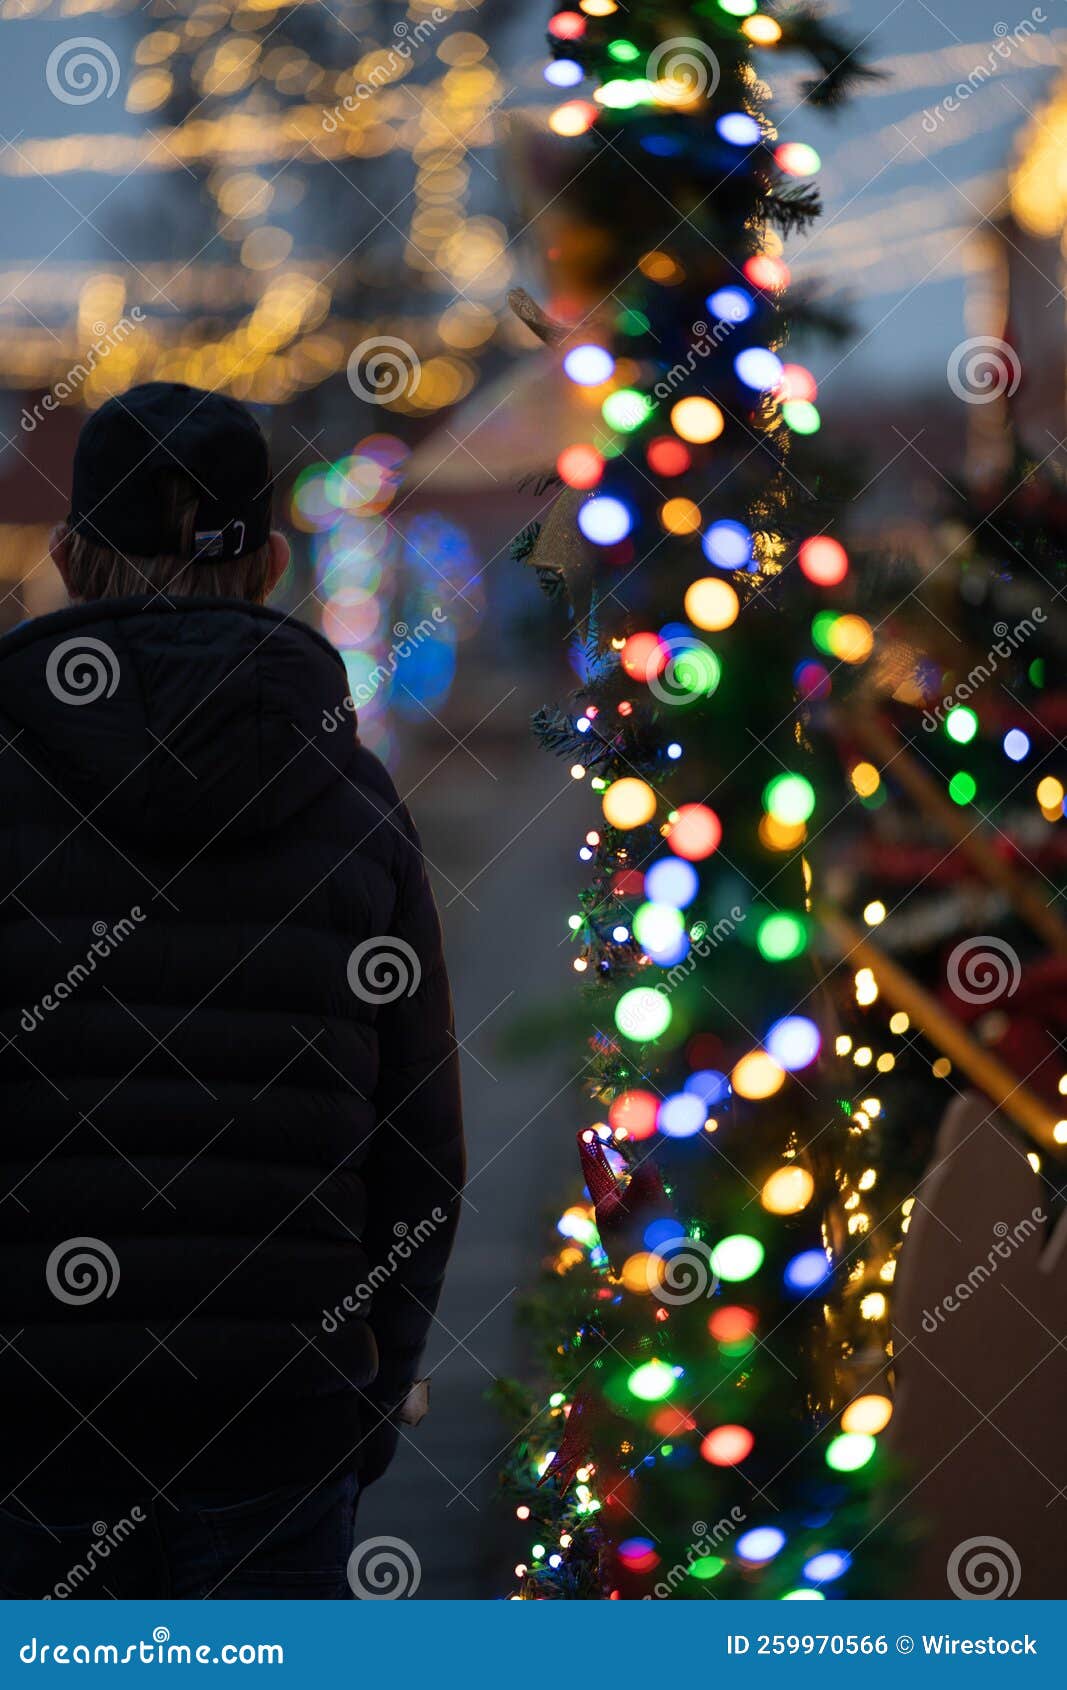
point(712, 1430)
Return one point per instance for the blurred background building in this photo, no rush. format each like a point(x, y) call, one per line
point(321, 209)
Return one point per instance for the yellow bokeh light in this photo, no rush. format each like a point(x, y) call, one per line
point(900, 1022)
point(781, 836)
point(642, 1271)
point(762, 31)
point(711, 604)
point(629, 803)
point(874, 913)
point(850, 639)
point(661, 267)
point(873, 1306)
point(1050, 793)
point(148, 91)
point(788, 1191)
point(866, 779)
point(870, 1414)
point(463, 48)
point(680, 516)
point(757, 1075)
point(572, 118)
point(697, 420)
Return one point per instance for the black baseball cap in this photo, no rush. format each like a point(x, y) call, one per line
point(130, 446)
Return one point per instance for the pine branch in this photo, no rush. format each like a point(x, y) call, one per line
point(792, 209)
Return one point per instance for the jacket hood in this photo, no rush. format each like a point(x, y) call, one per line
point(177, 719)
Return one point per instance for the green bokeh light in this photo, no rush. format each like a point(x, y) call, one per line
point(820, 630)
point(961, 724)
point(626, 409)
point(801, 416)
point(790, 799)
point(850, 1451)
point(651, 1382)
point(643, 1013)
point(781, 936)
point(707, 1567)
point(737, 1257)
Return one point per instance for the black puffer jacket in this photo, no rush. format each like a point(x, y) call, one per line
point(219, 1130)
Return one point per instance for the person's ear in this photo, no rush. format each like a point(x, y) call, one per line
point(59, 548)
point(278, 559)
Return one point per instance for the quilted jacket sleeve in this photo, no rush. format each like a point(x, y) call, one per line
point(416, 1166)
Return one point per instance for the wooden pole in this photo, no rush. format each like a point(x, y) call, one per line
point(984, 1070)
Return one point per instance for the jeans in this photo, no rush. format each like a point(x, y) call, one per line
point(285, 1544)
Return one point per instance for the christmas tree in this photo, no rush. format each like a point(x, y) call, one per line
point(711, 1433)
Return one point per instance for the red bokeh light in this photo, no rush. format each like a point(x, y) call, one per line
point(797, 383)
point(667, 456)
point(567, 26)
point(823, 561)
point(635, 1112)
point(644, 656)
point(766, 272)
point(727, 1445)
point(696, 833)
point(730, 1324)
point(580, 466)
